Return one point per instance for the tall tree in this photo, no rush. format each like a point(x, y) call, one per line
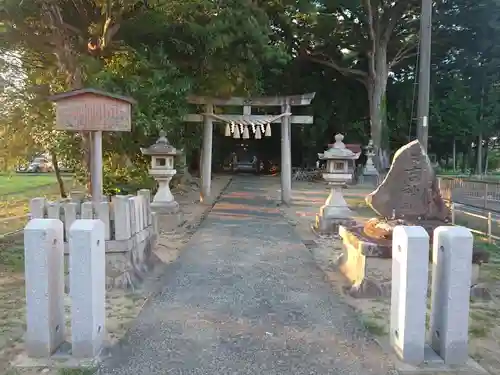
point(365, 41)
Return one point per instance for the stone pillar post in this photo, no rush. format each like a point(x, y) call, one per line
point(44, 279)
point(206, 167)
point(410, 262)
point(451, 279)
point(286, 157)
point(87, 262)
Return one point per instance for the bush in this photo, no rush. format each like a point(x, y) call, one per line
point(128, 180)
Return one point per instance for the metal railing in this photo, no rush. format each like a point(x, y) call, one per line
point(474, 203)
point(492, 222)
point(475, 193)
point(306, 174)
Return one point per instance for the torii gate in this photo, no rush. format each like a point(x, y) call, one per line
point(241, 125)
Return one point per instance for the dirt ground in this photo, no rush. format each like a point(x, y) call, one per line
point(484, 324)
point(122, 306)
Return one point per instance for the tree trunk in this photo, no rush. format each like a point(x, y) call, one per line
point(377, 87)
point(465, 158)
point(60, 181)
point(486, 149)
point(479, 153)
point(454, 154)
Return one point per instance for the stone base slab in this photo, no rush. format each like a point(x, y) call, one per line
point(369, 179)
point(61, 359)
point(171, 221)
point(368, 277)
point(368, 270)
point(329, 226)
point(433, 364)
point(165, 207)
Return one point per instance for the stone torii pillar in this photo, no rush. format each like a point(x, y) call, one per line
point(286, 157)
point(206, 167)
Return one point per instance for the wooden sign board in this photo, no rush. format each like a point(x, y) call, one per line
point(93, 110)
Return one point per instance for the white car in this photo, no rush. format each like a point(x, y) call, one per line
point(40, 165)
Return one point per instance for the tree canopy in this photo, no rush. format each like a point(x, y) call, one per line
point(360, 57)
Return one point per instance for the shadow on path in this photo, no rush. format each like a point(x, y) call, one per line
point(245, 297)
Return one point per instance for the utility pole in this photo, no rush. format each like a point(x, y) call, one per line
point(424, 77)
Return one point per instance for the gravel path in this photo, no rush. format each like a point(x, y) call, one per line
point(245, 297)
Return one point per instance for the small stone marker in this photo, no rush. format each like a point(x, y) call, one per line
point(87, 210)
point(451, 281)
point(410, 258)
point(44, 278)
point(122, 225)
point(53, 210)
point(37, 208)
point(146, 194)
point(133, 217)
point(410, 189)
point(87, 285)
point(103, 214)
point(70, 212)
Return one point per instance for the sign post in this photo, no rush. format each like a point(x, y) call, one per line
point(93, 111)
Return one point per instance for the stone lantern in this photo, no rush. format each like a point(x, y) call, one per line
point(370, 173)
point(335, 210)
point(162, 170)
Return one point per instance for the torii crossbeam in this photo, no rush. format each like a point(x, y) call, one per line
point(239, 125)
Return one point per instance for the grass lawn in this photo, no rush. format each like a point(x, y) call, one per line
point(17, 183)
point(16, 190)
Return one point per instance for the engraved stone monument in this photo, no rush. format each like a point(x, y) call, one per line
point(409, 195)
point(410, 189)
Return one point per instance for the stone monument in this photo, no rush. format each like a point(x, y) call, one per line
point(409, 195)
point(162, 169)
point(410, 189)
point(335, 210)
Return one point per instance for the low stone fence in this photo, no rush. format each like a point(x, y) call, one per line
point(130, 231)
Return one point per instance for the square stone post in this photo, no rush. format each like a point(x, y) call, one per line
point(451, 281)
point(286, 157)
point(87, 284)
point(44, 279)
point(410, 262)
point(121, 213)
point(146, 194)
point(38, 208)
point(206, 167)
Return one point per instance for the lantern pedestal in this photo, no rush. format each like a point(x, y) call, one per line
point(334, 212)
point(164, 201)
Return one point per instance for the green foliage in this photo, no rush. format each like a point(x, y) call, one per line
point(160, 54)
point(160, 90)
point(126, 180)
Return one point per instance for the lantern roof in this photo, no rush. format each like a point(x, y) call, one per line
point(162, 147)
point(339, 151)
